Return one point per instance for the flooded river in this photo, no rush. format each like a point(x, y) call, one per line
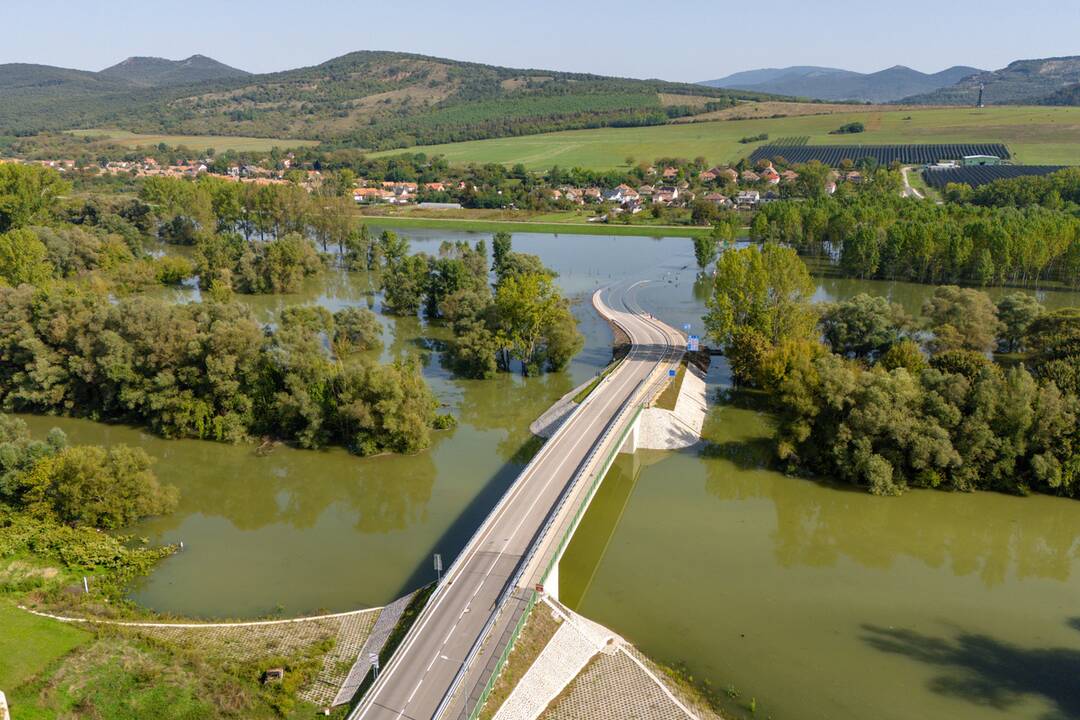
point(819, 601)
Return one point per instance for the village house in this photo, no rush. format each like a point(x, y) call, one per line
point(728, 175)
point(747, 199)
point(770, 176)
point(789, 176)
point(670, 173)
point(749, 176)
point(593, 194)
point(646, 191)
point(574, 195)
point(718, 199)
point(371, 195)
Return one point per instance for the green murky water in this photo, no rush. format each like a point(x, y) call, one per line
point(820, 601)
point(824, 602)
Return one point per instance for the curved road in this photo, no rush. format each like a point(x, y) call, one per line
point(425, 668)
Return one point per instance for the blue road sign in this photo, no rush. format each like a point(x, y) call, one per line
point(671, 373)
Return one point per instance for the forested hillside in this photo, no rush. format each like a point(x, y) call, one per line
point(1023, 82)
point(377, 100)
point(155, 71)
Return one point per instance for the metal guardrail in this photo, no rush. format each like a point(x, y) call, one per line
point(504, 656)
point(598, 477)
point(454, 568)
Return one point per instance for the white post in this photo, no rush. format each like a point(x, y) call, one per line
point(85, 585)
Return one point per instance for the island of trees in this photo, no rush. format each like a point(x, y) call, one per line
point(79, 336)
point(971, 395)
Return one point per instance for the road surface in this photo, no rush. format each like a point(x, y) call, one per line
point(425, 666)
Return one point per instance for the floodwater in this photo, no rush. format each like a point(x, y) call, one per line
point(825, 602)
point(818, 601)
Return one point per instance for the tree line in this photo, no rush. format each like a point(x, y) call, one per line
point(870, 396)
point(210, 370)
point(881, 235)
point(203, 370)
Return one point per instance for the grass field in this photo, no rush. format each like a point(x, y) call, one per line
point(199, 142)
point(28, 644)
point(529, 226)
point(1035, 135)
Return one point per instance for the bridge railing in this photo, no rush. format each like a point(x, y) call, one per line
point(516, 579)
point(504, 656)
point(632, 402)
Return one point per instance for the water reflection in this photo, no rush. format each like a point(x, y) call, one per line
point(985, 671)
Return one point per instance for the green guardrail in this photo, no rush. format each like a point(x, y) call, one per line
point(598, 477)
point(533, 595)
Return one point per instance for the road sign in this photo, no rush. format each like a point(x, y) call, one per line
point(671, 373)
point(373, 658)
point(686, 327)
point(438, 568)
point(693, 344)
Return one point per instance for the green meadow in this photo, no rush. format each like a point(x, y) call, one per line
point(1035, 135)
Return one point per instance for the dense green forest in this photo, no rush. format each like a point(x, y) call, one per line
point(865, 394)
point(77, 338)
point(376, 100)
point(1014, 232)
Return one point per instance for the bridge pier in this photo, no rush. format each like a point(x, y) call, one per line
point(630, 444)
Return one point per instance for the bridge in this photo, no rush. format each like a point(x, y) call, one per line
point(446, 664)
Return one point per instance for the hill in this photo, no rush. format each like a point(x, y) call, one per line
point(834, 84)
point(155, 71)
point(365, 99)
point(26, 80)
point(1027, 82)
point(751, 78)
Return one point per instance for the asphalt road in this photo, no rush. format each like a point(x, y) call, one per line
point(424, 667)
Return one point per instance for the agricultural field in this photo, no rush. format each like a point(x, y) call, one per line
point(984, 174)
point(1034, 135)
point(201, 142)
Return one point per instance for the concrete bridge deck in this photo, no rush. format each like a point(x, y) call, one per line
point(442, 665)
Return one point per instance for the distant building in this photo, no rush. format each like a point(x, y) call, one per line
point(970, 160)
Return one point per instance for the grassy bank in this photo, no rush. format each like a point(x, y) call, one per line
point(670, 394)
point(1036, 135)
point(529, 226)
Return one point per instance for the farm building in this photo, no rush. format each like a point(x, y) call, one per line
point(973, 160)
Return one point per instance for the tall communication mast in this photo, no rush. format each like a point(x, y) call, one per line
point(981, 86)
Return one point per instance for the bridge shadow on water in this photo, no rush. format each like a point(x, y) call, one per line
point(452, 542)
point(990, 672)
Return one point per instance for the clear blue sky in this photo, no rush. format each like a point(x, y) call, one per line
point(677, 40)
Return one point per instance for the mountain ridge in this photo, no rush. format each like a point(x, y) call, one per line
point(376, 100)
point(823, 83)
point(1038, 81)
point(150, 71)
